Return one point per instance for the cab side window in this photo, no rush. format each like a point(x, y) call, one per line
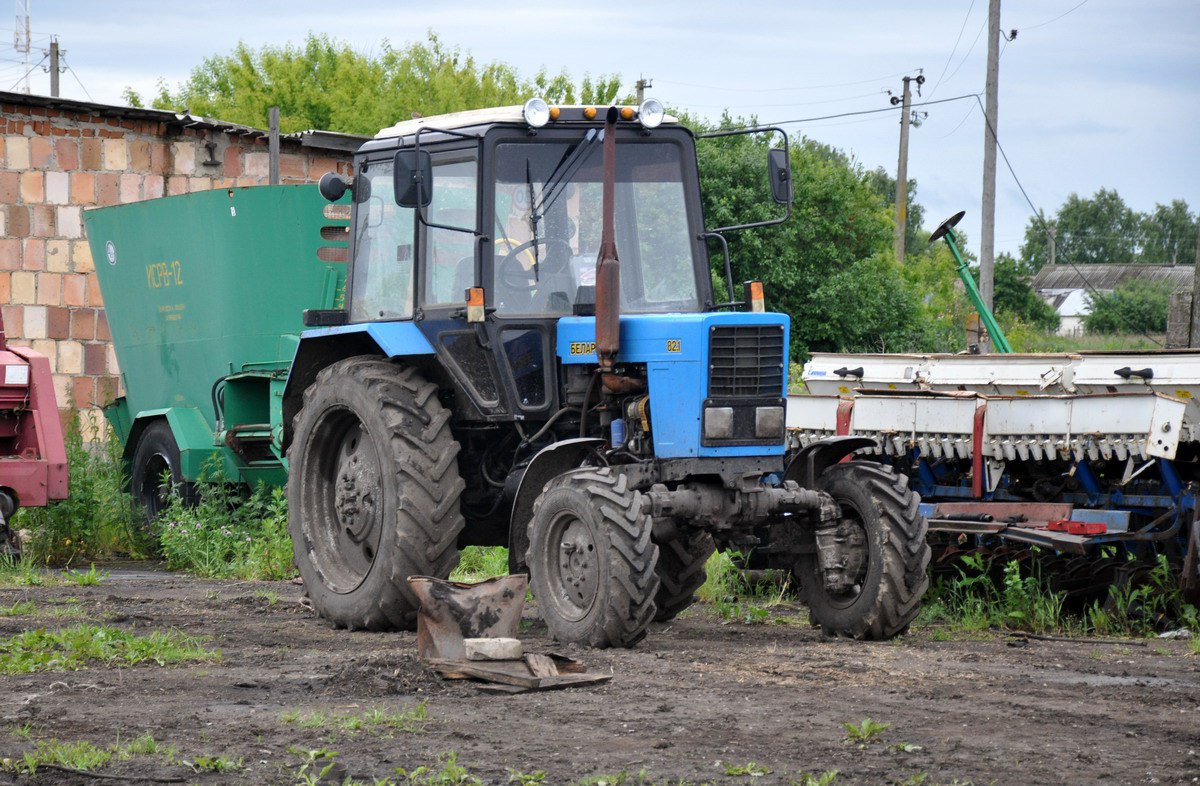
point(383, 249)
point(450, 255)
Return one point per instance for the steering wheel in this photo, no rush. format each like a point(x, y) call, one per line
point(510, 271)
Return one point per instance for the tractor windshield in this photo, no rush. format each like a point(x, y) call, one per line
point(548, 223)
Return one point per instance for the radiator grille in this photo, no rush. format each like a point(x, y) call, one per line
point(745, 361)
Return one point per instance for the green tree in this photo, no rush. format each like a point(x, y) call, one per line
point(1099, 230)
point(1014, 296)
point(829, 267)
point(1169, 234)
point(1137, 306)
point(325, 84)
point(916, 238)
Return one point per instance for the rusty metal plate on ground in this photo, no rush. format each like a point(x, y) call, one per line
point(452, 611)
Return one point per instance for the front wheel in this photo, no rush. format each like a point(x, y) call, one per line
point(881, 555)
point(373, 492)
point(591, 560)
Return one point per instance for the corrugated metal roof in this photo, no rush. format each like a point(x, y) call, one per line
point(1109, 277)
point(324, 140)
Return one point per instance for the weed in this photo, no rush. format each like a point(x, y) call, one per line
point(866, 732)
point(732, 598)
point(749, 769)
point(22, 608)
point(315, 764)
point(904, 747)
point(89, 578)
point(476, 563)
point(623, 778)
point(98, 519)
point(144, 745)
point(448, 773)
point(526, 779)
point(827, 778)
point(213, 764)
point(24, 732)
point(1194, 645)
point(291, 716)
point(228, 533)
point(79, 646)
point(916, 779)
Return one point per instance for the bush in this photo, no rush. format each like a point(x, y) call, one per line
point(1136, 306)
point(228, 533)
point(98, 519)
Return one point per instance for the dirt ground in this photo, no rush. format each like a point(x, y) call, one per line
point(699, 695)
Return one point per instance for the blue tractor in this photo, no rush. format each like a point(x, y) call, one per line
point(498, 377)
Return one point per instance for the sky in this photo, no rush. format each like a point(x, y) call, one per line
point(1098, 94)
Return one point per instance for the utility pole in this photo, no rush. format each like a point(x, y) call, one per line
point(642, 84)
point(1053, 242)
point(273, 145)
point(902, 166)
point(54, 67)
point(987, 230)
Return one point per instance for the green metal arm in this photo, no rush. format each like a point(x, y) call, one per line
point(946, 230)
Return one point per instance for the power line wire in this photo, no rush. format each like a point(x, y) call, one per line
point(950, 56)
point(970, 111)
point(778, 106)
point(969, 51)
point(1045, 228)
point(895, 108)
point(77, 79)
point(780, 89)
point(33, 68)
point(1055, 19)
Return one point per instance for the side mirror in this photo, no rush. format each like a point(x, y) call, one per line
point(413, 178)
point(779, 171)
point(332, 186)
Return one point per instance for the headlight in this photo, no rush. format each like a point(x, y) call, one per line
point(651, 113)
point(536, 112)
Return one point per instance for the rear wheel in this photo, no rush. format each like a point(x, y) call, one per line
point(373, 492)
point(591, 560)
point(681, 572)
point(156, 472)
point(882, 551)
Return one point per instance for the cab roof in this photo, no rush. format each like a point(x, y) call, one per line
point(475, 117)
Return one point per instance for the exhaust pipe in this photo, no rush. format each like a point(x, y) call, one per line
point(608, 268)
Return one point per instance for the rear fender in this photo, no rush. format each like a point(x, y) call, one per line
point(323, 347)
point(549, 463)
point(814, 459)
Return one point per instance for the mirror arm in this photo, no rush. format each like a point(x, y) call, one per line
point(725, 252)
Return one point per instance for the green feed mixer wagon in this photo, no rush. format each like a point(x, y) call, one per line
point(520, 346)
point(205, 294)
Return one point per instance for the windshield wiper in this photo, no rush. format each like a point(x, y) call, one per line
point(562, 175)
point(533, 219)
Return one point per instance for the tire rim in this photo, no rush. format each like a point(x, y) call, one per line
point(848, 598)
point(574, 568)
point(155, 493)
point(343, 480)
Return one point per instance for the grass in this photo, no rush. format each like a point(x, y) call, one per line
point(973, 602)
point(373, 721)
point(228, 533)
point(79, 755)
point(82, 645)
point(733, 599)
point(750, 769)
point(24, 572)
point(476, 563)
point(22, 608)
point(98, 519)
point(213, 764)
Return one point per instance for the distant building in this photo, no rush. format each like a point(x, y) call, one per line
point(1064, 287)
point(59, 157)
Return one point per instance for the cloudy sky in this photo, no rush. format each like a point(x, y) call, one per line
point(1103, 93)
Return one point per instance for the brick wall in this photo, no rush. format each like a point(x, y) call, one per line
point(57, 162)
